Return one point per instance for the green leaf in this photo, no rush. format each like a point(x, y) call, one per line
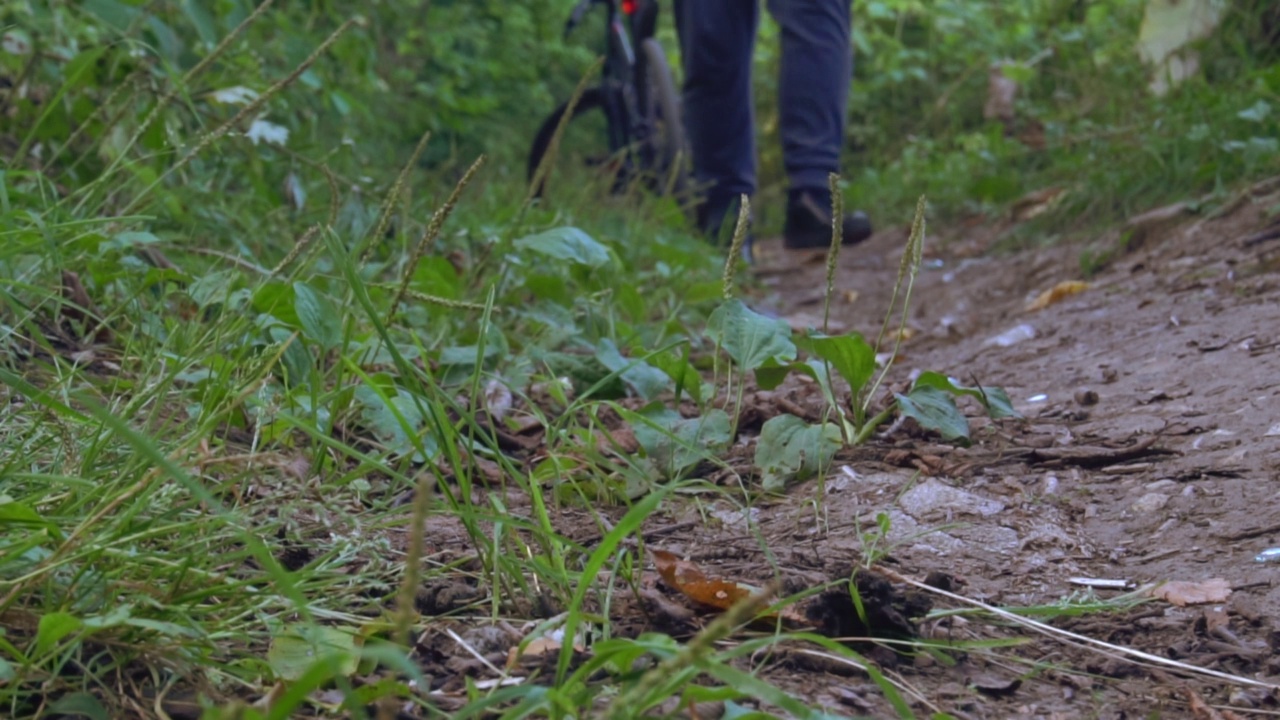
point(772, 373)
point(295, 359)
point(675, 443)
point(79, 704)
point(935, 409)
point(751, 339)
point(128, 240)
point(396, 421)
point(750, 684)
point(17, 514)
point(850, 355)
point(318, 316)
point(791, 449)
point(213, 288)
point(53, 627)
point(681, 371)
point(994, 399)
point(566, 243)
point(118, 615)
point(292, 653)
point(277, 300)
point(647, 381)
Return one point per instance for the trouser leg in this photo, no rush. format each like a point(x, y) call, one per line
point(813, 87)
point(716, 41)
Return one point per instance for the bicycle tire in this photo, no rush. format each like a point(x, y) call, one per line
point(671, 146)
point(592, 100)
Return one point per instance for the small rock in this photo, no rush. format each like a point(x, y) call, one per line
point(1163, 484)
point(1150, 503)
point(1049, 485)
point(933, 497)
point(1109, 375)
point(1012, 336)
point(1086, 397)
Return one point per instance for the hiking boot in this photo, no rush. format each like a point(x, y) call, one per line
point(808, 225)
point(716, 218)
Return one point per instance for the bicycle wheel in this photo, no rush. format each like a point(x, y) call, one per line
point(668, 146)
point(587, 145)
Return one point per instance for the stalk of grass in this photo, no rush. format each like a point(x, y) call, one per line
point(912, 255)
point(306, 246)
point(430, 234)
point(735, 247)
point(389, 205)
point(833, 254)
point(298, 247)
point(413, 559)
point(553, 148)
point(727, 287)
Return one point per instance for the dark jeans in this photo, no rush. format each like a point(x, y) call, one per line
point(716, 39)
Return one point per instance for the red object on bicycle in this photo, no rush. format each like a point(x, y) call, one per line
point(629, 7)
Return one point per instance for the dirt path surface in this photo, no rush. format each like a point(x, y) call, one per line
point(1150, 452)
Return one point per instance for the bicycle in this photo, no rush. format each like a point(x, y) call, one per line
point(638, 100)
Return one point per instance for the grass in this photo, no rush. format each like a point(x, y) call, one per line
point(264, 408)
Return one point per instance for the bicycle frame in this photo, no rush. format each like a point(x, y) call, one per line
point(629, 23)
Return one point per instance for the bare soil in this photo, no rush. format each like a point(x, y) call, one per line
point(1149, 452)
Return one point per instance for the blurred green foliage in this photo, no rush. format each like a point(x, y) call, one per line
point(480, 74)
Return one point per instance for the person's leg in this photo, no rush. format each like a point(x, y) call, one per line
point(717, 38)
point(813, 97)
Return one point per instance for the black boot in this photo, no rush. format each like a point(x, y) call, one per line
point(808, 223)
point(717, 215)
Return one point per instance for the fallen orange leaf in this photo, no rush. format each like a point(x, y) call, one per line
point(1057, 293)
point(717, 593)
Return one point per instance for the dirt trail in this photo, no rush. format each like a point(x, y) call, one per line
point(1150, 452)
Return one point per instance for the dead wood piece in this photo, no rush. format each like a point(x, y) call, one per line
point(1096, 457)
point(1251, 533)
point(1258, 238)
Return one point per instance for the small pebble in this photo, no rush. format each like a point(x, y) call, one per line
point(1150, 503)
point(1086, 397)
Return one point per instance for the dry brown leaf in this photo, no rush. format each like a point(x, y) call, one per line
point(1183, 593)
point(1057, 293)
